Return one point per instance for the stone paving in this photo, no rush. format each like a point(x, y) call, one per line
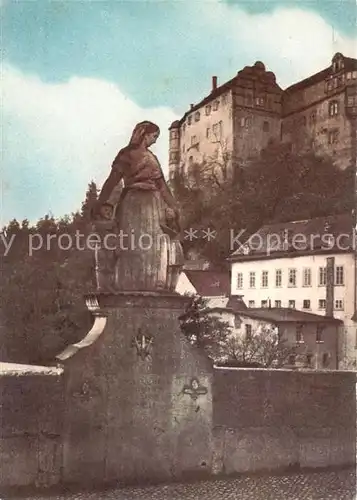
point(327, 485)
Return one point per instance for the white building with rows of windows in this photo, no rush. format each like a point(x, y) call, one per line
point(305, 265)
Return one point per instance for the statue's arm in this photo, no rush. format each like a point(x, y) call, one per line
point(113, 179)
point(166, 194)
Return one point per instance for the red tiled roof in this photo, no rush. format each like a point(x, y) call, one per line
point(209, 283)
point(299, 238)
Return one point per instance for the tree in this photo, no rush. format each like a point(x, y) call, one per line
point(204, 330)
point(263, 348)
point(42, 305)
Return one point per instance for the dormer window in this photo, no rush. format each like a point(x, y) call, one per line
point(337, 62)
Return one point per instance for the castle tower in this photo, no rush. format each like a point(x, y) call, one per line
point(174, 148)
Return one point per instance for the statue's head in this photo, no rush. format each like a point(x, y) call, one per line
point(144, 132)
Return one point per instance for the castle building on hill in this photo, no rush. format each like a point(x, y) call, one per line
point(238, 119)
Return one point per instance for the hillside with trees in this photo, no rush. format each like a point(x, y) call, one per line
point(278, 186)
point(42, 306)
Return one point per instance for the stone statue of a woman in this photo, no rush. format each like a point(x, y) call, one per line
point(149, 254)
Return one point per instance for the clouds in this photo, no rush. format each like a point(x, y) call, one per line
point(57, 137)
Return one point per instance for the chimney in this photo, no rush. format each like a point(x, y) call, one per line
point(330, 271)
point(191, 106)
point(214, 83)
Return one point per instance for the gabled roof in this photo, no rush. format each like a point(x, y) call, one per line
point(287, 315)
point(236, 303)
point(350, 64)
point(330, 234)
point(209, 283)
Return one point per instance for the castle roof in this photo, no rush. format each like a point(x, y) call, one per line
point(350, 64)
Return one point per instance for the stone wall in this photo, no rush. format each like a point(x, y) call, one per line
point(133, 417)
point(31, 419)
point(271, 419)
point(126, 410)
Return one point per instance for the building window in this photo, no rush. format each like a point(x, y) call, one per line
point(333, 136)
point(292, 304)
point(237, 321)
point(339, 305)
point(292, 278)
point(322, 276)
point(215, 105)
point(189, 120)
point(278, 303)
point(217, 130)
point(339, 275)
point(278, 277)
point(265, 126)
point(306, 277)
point(208, 109)
point(333, 108)
point(325, 359)
point(248, 332)
point(259, 101)
point(193, 140)
point(322, 304)
point(298, 334)
point(264, 303)
point(197, 116)
point(190, 160)
point(265, 279)
point(224, 99)
point(246, 122)
point(251, 303)
point(306, 304)
point(308, 362)
point(292, 359)
point(319, 331)
point(208, 130)
point(240, 280)
point(252, 279)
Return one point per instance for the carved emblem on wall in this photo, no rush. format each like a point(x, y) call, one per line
point(92, 303)
point(143, 344)
point(194, 389)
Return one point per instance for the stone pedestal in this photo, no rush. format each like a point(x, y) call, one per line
point(138, 395)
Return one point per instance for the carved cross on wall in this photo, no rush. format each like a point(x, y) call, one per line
point(194, 389)
point(143, 344)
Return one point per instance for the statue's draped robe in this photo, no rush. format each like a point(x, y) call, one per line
point(143, 248)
